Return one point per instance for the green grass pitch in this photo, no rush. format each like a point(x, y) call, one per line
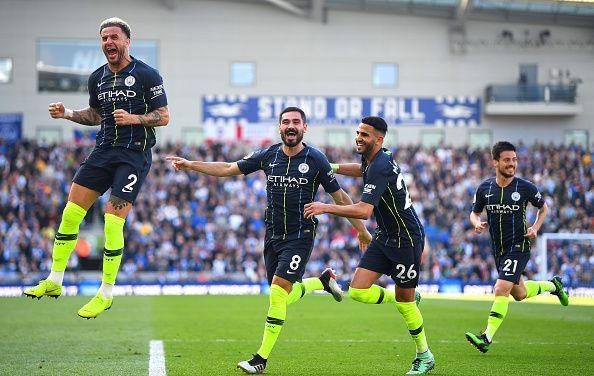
point(208, 335)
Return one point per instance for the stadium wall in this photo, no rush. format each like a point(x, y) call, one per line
point(296, 56)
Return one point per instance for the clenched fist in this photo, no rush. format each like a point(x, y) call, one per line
point(57, 110)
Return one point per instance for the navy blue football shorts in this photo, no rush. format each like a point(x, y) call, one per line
point(402, 264)
point(287, 258)
point(511, 265)
point(123, 170)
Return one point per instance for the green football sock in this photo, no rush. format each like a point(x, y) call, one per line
point(534, 288)
point(414, 323)
point(373, 295)
point(300, 289)
point(114, 247)
point(277, 311)
point(498, 312)
point(67, 235)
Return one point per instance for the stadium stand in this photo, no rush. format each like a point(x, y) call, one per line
point(194, 228)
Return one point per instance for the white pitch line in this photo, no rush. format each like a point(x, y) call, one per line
point(157, 359)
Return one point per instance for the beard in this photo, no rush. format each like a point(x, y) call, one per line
point(504, 173)
point(121, 53)
point(363, 149)
point(296, 139)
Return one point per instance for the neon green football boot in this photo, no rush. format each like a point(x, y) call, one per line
point(93, 308)
point(45, 287)
point(480, 342)
point(560, 291)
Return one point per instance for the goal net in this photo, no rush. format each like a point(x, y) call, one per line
point(570, 256)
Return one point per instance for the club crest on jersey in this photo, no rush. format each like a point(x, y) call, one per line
point(303, 168)
point(515, 196)
point(129, 81)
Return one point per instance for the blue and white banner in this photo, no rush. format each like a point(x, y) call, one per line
point(84, 137)
point(11, 127)
point(446, 111)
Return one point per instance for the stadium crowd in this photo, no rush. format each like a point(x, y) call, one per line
point(187, 226)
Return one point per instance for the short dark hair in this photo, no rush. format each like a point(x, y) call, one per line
point(292, 109)
point(500, 147)
point(114, 21)
point(377, 123)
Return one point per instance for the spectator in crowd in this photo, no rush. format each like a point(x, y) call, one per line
point(200, 227)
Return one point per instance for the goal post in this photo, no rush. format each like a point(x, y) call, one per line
point(542, 259)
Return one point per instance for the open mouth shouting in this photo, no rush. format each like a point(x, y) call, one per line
point(292, 137)
point(111, 53)
point(291, 133)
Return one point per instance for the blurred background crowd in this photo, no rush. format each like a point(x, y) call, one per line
point(191, 227)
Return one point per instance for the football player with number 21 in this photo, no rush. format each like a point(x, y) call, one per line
point(505, 197)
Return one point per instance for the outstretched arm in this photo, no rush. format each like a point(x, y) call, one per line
point(361, 210)
point(219, 169)
point(155, 118)
point(348, 169)
point(86, 116)
point(341, 198)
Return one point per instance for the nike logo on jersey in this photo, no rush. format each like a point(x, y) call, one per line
point(290, 272)
point(99, 84)
point(273, 164)
point(508, 274)
point(487, 196)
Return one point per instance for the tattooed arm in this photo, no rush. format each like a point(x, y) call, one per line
point(86, 116)
point(159, 117)
point(156, 118)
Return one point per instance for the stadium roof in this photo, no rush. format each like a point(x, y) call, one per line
point(578, 13)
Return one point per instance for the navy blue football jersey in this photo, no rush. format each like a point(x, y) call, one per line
point(291, 182)
point(506, 212)
point(385, 189)
point(138, 89)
